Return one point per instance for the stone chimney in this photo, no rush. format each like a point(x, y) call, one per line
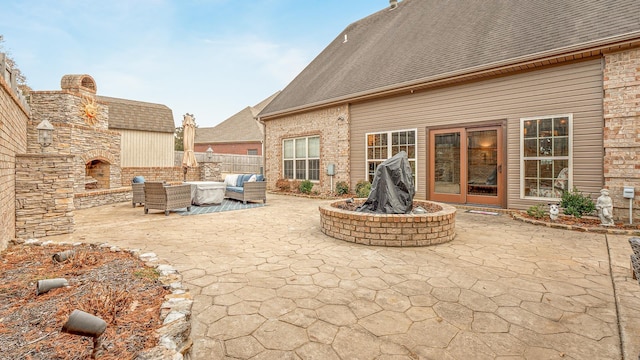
point(393, 4)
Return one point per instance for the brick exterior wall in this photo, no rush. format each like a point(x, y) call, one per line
point(622, 129)
point(231, 148)
point(13, 140)
point(168, 174)
point(44, 195)
point(331, 124)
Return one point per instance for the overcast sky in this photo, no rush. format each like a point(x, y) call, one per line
point(211, 58)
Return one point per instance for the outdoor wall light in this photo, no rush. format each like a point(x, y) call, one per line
point(45, 133)
point(209, 154)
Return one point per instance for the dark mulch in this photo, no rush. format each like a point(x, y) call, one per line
point(115, 286)
point(585, 222)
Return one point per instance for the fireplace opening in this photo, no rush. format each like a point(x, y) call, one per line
point(97, 174)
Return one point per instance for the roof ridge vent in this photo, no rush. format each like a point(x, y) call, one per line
point(393, 4)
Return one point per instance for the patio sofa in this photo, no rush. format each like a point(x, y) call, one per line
point(245, 187)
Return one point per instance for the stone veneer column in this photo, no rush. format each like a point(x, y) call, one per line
point(44, 195)
point(210, 171)
point(622, 129)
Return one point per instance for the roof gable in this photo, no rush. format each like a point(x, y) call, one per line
point(241, 127)
point(427, 39)
point(138, 115)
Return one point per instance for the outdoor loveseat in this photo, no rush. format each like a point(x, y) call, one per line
point(246, 187)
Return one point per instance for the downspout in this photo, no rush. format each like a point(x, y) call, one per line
point(264, 139)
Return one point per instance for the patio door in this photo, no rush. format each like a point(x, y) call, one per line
point(465, 165)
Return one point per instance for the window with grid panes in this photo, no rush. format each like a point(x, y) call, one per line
point(301, 158)
point(384, 145)
point(546, 156)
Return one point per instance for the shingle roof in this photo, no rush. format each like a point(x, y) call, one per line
point(430, 39)
point(138, 115)
point(241, 127)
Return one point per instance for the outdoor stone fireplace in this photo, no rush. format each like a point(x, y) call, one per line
point(81, 129)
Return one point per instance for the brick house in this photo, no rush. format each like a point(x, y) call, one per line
point(497, 103)
point(241, 134)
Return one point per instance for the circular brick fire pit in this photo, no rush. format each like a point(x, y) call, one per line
point(431, 228)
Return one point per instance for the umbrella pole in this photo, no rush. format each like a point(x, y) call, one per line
point(184, 171)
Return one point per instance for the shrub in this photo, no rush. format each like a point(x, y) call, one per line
point(305, 187)
point(342, 188)
point(283, 184)
point(576, 204)
point(363, 189)
point(295, 186)
point(536, 211)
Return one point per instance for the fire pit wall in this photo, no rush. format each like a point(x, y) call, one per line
point(390, 229)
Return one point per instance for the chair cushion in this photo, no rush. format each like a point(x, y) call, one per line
point(259, 177)
point(238, 189)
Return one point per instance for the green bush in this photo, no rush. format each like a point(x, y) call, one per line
point(363, 189)
point(536, 211)
point(305, 187)
point(342, 188)
point(576, 204)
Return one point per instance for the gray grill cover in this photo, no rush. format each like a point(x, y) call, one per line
point(392, 190)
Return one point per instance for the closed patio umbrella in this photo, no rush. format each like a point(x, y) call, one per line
point(189, 133)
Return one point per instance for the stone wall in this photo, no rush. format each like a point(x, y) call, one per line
point(622, 129)
point(44, 195)
point(14, 114)
point(102, 197)
point(331, 124)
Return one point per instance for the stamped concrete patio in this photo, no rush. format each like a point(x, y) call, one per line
point(268, 284)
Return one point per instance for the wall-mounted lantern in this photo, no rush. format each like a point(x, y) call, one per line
point(45, 133)
point(209, 154)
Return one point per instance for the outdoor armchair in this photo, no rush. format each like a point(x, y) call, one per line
point(160, 197)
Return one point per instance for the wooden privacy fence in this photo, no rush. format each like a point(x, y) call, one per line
point(229, 163)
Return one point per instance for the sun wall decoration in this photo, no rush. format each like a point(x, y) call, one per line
point(89, 110)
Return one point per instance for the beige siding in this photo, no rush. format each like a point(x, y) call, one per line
point(570, 89)
point(146, 149)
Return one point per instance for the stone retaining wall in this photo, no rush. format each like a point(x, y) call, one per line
point(91, 199)
point(389, 229)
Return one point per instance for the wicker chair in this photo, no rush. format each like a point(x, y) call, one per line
point(138, 194)
point(160, 197)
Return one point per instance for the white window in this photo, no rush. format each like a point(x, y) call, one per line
point(546, 156)
point(384, 145)
point(252, 151)
point(301, 158)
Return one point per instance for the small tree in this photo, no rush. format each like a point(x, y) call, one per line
point(179, 139)
point(21, 80)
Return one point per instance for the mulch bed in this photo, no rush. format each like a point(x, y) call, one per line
point(585, 222)
point(115, 286)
